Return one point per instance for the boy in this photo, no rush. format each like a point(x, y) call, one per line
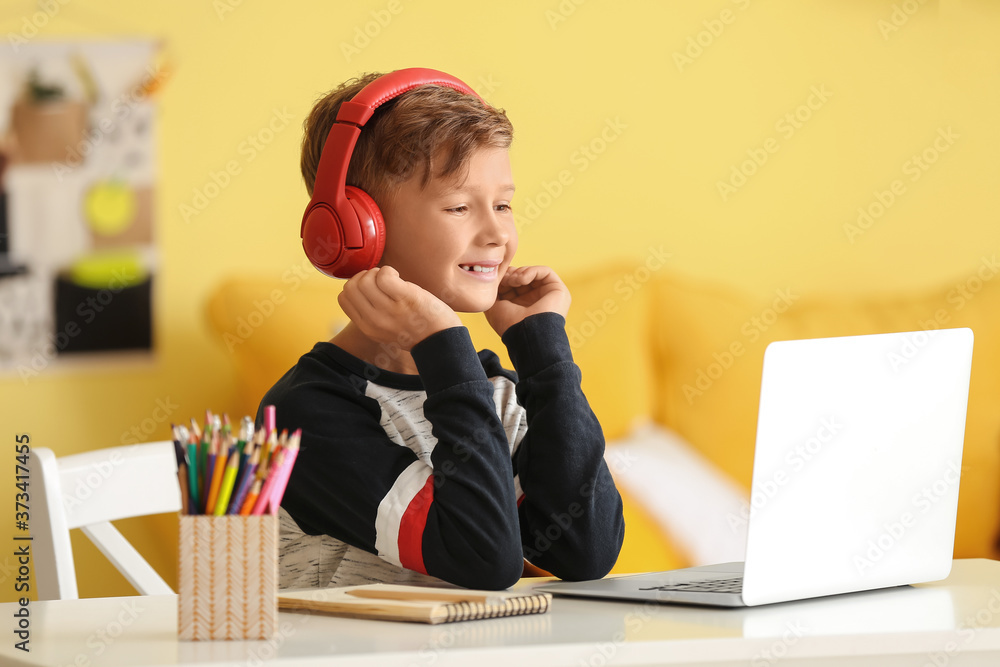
point(421, 460)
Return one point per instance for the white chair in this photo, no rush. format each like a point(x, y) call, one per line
point(89, 491)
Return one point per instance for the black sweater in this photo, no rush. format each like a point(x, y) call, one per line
point(458, 472)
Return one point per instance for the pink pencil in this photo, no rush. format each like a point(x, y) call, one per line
point(277, 462)
point(269, 420)
point(291, 451)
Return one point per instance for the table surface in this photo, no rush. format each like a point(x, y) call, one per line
point(955, 622)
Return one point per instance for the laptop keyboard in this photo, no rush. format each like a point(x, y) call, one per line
point(731, 585)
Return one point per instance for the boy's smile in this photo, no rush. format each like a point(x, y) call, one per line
point(455, 237)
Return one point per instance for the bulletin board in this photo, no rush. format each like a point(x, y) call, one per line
point(78, 258)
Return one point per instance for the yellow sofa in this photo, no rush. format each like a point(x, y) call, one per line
point(681, 351)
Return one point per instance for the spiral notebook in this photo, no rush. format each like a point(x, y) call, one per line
point(417, 604)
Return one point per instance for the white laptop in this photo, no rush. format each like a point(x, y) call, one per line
point(855, 477)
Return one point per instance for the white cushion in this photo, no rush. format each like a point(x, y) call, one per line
point(697, 505)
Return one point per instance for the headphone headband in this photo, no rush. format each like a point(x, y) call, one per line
point(331, 211)
point(361, 107)
point(331, 173)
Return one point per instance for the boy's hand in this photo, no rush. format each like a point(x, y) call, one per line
point(524, 291)
point(389, 309)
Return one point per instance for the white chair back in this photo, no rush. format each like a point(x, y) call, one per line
point(89, 491)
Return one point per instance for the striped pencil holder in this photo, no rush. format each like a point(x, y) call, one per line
point(228, 577)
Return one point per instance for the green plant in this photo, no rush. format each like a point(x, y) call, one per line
point(39, 92)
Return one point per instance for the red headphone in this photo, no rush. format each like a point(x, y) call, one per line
point(342, 228)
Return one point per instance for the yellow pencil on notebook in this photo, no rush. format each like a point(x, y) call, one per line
point(228, 479)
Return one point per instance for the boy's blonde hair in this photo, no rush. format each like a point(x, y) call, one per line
point(428, 131)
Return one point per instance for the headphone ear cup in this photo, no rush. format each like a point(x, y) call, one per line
point(330, 238)
point(355, 260)
point(339, 254)
point(322, 238)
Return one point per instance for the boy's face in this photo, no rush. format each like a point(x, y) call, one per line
point(456, 237)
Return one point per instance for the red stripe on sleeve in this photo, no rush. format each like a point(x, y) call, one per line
point(411, 528)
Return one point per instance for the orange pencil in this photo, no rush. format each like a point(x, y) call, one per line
point(217, 472)
point(251, 498)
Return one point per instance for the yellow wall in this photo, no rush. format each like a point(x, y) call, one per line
point(566, 71)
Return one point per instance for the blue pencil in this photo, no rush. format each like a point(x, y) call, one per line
point(243, 484)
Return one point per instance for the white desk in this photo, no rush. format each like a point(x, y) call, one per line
point(953, 623)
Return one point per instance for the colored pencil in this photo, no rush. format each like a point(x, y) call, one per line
point(265, 491)
point(208, 466)
point(182, 467)
point(228, 479)
point(251, 498)
point(246, 480)
point(265, 456)
point(269, 420)
point(277, 462)
point(193, 478)
point(207, 475)
point(217, 472)
point(195, 429)
point(201, 456)
point(291, 452)
point(241, 473)
point(245, 439)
